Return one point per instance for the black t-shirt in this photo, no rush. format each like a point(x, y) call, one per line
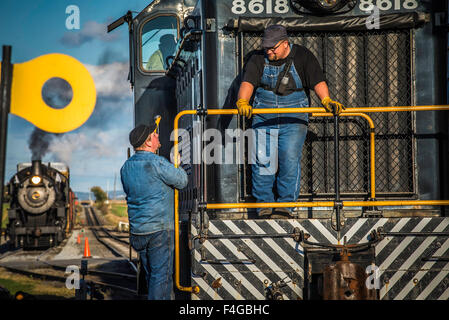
point(305, 62)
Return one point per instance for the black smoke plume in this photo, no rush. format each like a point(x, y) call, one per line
point(39, 142)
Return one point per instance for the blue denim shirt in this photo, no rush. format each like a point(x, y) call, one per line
point(148, 181)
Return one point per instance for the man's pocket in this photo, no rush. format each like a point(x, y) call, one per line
point(138, 243)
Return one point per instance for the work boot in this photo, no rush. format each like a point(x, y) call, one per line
point(264, 213)
point(281, 213)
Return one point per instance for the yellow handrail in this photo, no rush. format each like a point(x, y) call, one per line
point(214, 206)
point(195, 289)
point(372, 147)
point(319, 110)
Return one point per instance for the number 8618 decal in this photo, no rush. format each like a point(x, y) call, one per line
point(282, 6)
point(368, 5)
point(260, 6)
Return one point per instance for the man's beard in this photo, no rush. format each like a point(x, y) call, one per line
point(273, 57)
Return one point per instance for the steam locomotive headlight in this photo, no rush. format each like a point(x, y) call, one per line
point(36, 180)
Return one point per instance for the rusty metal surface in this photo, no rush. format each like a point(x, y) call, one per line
point(345, 280)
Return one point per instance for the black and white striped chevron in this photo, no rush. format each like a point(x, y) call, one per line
point(243, 268)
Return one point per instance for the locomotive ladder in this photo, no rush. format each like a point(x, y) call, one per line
point(337, 204)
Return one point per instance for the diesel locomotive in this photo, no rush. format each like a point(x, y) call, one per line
point(41, 207)
point(371, 220)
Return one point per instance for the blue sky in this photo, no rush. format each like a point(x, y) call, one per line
point(96, 150)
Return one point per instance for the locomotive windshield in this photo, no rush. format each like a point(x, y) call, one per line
point(159, 36)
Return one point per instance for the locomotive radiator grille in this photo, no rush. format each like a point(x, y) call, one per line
point(363, 69)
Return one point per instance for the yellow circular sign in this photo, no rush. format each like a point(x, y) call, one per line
point(26, 92)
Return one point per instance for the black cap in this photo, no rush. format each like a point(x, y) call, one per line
point(139, 134)
point(273, 34)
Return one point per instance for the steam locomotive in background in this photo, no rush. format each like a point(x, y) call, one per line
point(373, 237)
point(41, 207)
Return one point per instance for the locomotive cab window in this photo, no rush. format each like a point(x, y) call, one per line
point(159, 36)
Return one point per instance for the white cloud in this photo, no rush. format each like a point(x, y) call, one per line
point(89, 145)
point(111, 80)
point(91, 30)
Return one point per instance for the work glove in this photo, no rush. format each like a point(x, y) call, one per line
point(244, 108)
point(329, 105)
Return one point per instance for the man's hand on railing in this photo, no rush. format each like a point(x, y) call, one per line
point(244, 108)
point(330, 104)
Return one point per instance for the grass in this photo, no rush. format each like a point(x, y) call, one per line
point(5, 215)
point(120, 210)
point(45, 290)
point(116, 212)
point(13, 286)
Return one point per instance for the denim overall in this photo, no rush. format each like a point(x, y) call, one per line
point(284, 134)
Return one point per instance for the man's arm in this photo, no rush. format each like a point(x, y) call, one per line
point(245, 91)
point(172, 176)
point(314, 78)
point(322, 90)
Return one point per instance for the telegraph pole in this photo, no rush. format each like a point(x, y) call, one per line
point(5, 103)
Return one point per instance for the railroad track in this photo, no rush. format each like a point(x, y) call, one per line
point(97, 228)
point(11, 253)
point(111, 282)
point(115, 283)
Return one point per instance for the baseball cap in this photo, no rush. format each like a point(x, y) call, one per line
point(273, 34)
point(139, 134)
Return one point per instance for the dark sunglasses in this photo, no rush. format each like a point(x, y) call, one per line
point(274, 48)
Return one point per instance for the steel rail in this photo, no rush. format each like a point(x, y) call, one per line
point(97, 236)
point(11, 253)
point(319, 110)
point(63, 279)
point(108, 233)
point(94, 272)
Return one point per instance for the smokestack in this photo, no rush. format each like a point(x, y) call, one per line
point(36, 168)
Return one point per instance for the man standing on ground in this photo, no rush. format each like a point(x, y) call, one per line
point(148, 181)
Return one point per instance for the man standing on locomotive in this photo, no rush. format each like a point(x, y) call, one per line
point(148, 181)
point(283, 77)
